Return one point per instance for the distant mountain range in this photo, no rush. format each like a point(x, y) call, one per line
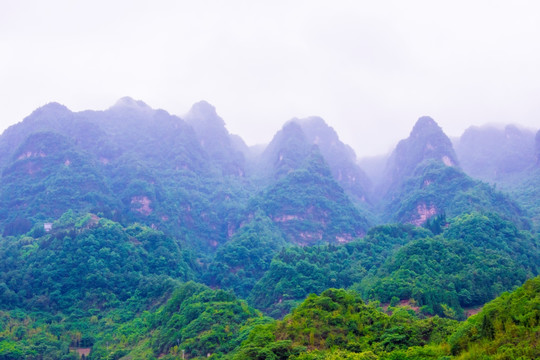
point(132, 162)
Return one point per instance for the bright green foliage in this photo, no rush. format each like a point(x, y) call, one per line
point(474, 260)
point(195, 319)
point(298, 271)
point(339, 319)
point(88, 263)
point(506, 328)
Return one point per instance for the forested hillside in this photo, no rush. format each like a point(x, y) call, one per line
point(131, 233)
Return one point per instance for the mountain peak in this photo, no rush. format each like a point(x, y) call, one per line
point(52, 108)
point(129, 102)
point(425, 125)
point(426, 141)
point(203, 110)
point(204, 119)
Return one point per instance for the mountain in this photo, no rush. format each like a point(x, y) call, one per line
point(426, 141)
point(492, 154)
point(292, 145)
point(340, 157)
point(309, 206)
point(424, 180)
point(537, 148)
point(285, 153)
point(215, 139)
point(129, 162)
point(48, 175)
point(133, 233)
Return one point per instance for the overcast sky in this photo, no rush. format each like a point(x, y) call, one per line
point(369, 68)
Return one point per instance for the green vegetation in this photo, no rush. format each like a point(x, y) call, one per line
point(447, 190)
point(507, 327)
point(170, 239)
point(89, 264)
point(310, 207)
point(339, 322)
point(298, 271)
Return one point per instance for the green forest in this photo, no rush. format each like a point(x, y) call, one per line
point(131, 234)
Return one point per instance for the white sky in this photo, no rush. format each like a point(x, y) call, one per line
point(369, 68)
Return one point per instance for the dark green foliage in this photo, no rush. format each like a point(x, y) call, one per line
point(507, 327)
point(475, 259)
point(298, 271)
point(244, 259)
point(436, 188)
point(50, 176)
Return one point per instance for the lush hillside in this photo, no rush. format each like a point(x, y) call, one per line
point(474, 260)
point(131, 233)
point(507, 327)
point(437, 189)
point(89, 263)
point(426, 141)
point(298, 271)
point(310, 207)
point(338, 324)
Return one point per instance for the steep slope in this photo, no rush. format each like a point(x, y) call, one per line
point(506, 328)
point(286, 152)
point(492, 154)
point(340, 157)
point(426, 141)
point(129, 162)
point(215, 139)
point(49, 175)
point(292, 145)
point(424, 180)
point(310, 207)
point(437, 189)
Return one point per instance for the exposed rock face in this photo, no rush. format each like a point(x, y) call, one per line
point(427, 141)
point(141, 204)
point(309, 206)
point(423, 212)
